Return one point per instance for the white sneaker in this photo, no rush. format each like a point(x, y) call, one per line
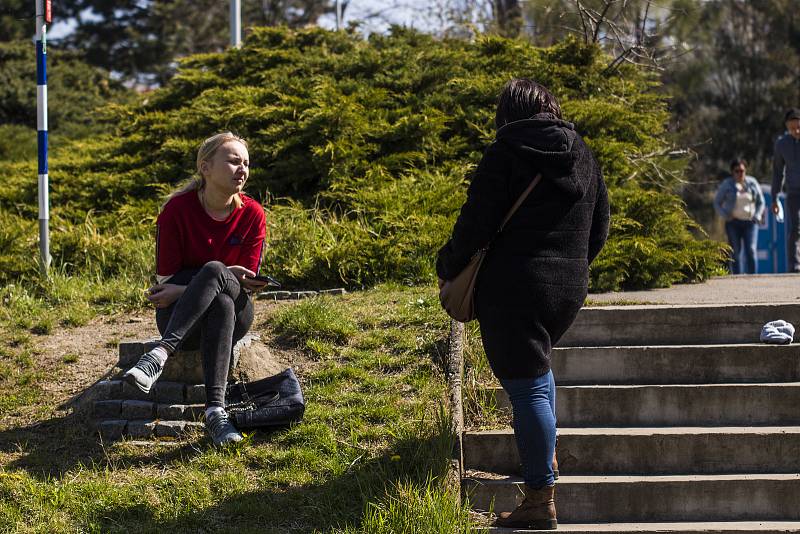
point(145, 373)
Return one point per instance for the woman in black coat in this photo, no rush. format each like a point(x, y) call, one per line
point(536, 274)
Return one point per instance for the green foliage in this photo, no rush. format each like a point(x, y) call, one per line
point(361, 148)
point(75, 91)
point(653, 245)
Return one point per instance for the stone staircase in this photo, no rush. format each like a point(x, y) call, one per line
point(671, 419)
point(175, 404)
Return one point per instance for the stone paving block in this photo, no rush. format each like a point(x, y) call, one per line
point(129, 351)
point(141, 429)
point(169, 392)
point(337, 291)
point(275, 295)
point(303, 294)
point(184, 366)
point(112, 429)
point(171, 429)
point(107, 389)
point(128, 391)
point(180, 412)
point(171, 412)
point(195, 394)
point(136, 409)
point(107, 409)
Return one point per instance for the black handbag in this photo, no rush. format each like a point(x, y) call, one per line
point(273, 401)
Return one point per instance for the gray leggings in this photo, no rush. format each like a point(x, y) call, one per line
point(213, 313)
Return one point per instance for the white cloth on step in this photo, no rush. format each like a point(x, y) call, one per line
point(777, 332)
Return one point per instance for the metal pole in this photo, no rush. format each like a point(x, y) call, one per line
point(41, 126)
point(236, 23)
point(338, 15)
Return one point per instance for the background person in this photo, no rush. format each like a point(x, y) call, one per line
point(535, 277)
point(786, 171)
point(740, 202)
point(209, 242)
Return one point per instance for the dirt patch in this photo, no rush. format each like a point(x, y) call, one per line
point(73, 359)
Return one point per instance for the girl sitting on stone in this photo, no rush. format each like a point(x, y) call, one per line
point(209, 243)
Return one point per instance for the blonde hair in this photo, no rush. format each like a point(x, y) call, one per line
point(206, 151)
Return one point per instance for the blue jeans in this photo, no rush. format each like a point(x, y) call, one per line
point(742, 236)
point(534, 403)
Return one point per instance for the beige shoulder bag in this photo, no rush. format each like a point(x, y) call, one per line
point(458, 295)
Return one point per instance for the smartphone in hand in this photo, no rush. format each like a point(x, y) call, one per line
point(271, 282)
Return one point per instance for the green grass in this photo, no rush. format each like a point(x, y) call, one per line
point(371, 456)
point(480, 407)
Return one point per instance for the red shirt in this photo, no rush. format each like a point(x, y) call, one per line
point(187, 237)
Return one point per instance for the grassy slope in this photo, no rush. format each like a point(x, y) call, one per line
point(375, 432)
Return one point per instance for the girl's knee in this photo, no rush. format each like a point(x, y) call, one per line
point(214, 267)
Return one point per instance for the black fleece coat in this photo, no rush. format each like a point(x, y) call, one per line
point(535, 277)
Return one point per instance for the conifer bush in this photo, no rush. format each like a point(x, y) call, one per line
point(361, 149)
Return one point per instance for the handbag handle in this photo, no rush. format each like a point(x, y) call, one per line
point(520, 200)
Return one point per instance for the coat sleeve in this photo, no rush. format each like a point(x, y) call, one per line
point(601, 220)
point(718, 198)
point(760, 204)
point(778, 165)
point(481, 215)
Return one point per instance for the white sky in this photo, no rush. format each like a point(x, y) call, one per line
point(376, 16)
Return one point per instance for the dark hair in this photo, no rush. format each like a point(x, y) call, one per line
point(735, 162)
point(522, 98)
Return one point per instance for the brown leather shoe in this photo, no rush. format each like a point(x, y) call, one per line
point(537, 511)
point(555, 461)
point(555, 467)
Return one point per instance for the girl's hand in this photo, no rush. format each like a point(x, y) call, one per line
point(162, 295)
point(244, 275)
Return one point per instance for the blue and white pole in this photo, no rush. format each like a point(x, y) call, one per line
point(236, 23)
point(43, 16)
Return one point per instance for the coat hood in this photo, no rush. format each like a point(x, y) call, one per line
point(547, 143)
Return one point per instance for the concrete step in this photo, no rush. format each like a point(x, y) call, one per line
point(612, 451)
point(113, 429)
point(673, 405)
point(675, 325)
point(722, 527)
point(681, 364)
point(630, 499)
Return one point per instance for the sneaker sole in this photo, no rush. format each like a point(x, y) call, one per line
point(131, 379)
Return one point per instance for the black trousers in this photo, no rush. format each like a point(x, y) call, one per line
point(793, 218)
point(213, 313)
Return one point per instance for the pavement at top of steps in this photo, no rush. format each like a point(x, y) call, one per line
point(739, 289)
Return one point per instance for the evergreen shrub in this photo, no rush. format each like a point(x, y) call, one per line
point(361, 149)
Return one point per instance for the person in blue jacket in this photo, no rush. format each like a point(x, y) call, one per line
point(786, 175)
point(740, 202)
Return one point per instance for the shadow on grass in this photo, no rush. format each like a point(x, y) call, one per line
point(61, 447)
point(49, 449)
point(325, 506)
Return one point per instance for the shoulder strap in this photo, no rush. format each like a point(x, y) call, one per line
point(520, 200)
